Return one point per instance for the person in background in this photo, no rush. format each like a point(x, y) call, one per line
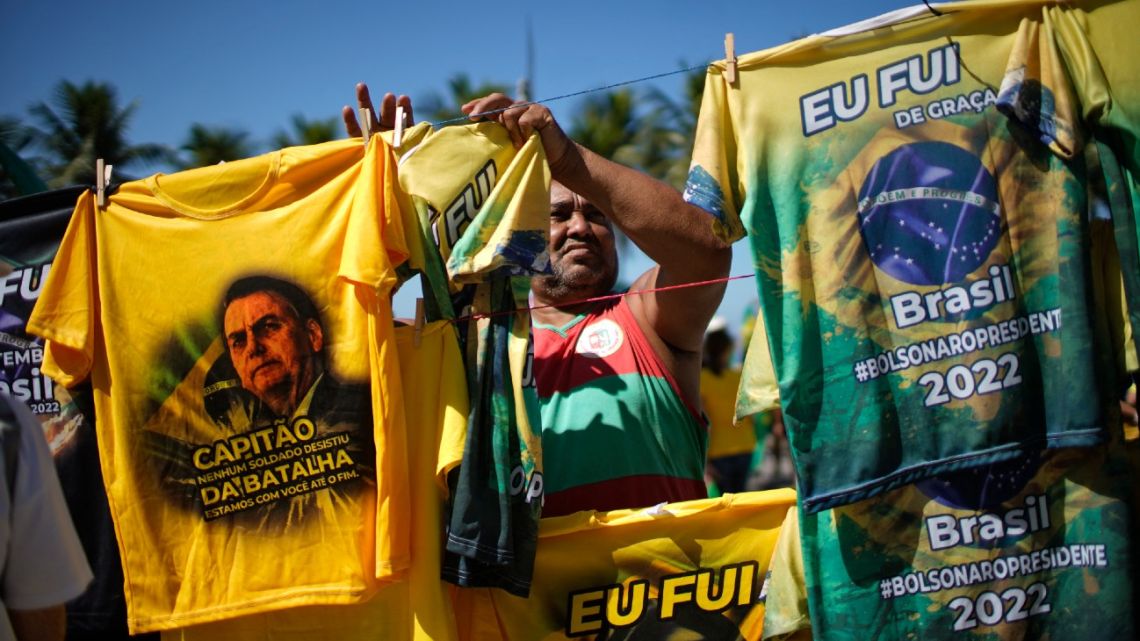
point(42, 564)
point(731, 444)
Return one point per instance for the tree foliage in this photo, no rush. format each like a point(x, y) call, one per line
point(209, 145)
point(305, 131)
point(81, 123)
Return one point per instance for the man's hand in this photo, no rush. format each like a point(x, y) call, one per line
point(387, 113)
point(522, 120)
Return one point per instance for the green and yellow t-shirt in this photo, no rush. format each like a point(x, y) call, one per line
point(482, 209)
point(915, 199)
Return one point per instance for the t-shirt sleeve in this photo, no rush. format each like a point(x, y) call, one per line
point(1036, 91)
point(759, 389)
point(453, 403)
point(713, 180)
point(67, 308)
point(1100, 51)
point(45, 564)
point(376, 218)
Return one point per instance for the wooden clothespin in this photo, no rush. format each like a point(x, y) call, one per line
point(730, 59)
point(419, 330)
point(366, 124)
point(398, 132)
point(102, 181)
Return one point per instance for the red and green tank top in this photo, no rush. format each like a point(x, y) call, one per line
point(616, 431)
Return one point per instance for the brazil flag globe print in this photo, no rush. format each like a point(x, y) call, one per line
point(929, 213)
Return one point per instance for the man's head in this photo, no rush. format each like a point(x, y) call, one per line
point(718, 346)
point(274, 338)
point(582, 252)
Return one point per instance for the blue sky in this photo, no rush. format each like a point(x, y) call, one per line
point(253, 65)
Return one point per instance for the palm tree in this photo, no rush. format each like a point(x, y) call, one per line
point(307, 132)
point(85, 122)
point(657, 139)
point(670, 148)
point(207, 145)
point(607, 125)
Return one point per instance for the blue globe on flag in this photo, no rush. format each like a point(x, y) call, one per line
point(929, 213)
point(984, 487)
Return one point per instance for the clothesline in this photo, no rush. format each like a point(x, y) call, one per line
point(595, 299)
point(571, 95)
point(464, 118)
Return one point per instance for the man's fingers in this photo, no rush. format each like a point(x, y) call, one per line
point(406, 103)
point(510, 119)
point(476, 108)
point(387, 116)
point(364, 101)
point(351, 126)
point(363, 98)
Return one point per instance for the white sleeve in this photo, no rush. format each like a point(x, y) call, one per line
point(45, 564)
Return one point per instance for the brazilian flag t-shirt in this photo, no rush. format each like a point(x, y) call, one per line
point(915, 198)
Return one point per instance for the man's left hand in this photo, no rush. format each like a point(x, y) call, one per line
point(384, 121)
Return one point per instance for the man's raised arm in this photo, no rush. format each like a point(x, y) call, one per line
point(676, 235)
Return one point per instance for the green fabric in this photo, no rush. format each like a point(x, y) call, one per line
point(600, 409)
point(873, 571)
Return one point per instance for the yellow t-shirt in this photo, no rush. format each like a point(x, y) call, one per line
point(683, 570)
point(718, 399)
point(233, 321)
point(419, 607)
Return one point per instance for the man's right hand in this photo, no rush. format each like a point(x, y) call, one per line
point(521, 119)
point(387, 113)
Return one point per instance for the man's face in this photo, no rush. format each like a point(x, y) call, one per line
point(582, 253)
point(273, 351)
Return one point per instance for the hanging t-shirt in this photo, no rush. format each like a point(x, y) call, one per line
point(1037, 547)
point(417, 607)
point(683, 570)
point(1040, 546)
point(921, 256)
point(483, 210)
point(234, 324)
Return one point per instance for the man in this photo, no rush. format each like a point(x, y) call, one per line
point(42, 564)
point(618, 379)
point(274, 339)
point(276, 342)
